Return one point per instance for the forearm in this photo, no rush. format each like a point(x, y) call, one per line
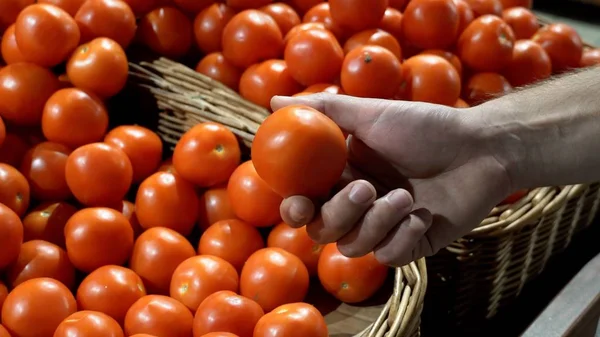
point(547, 134)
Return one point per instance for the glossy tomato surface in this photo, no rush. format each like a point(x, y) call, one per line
point(357, 15)
point(530, 63)
point(431, 24)
point(376, 37)
point(216, 66)
point(44, 167)
point(9, 49)
point(167, 31)
point(432, 79)
point(214, 205)
point(88, 324)
point(482, 87)
point(294, 320)
point(113, 19)
point(209, 25)
point(562, 43)
point(14, 189)
point(298, 242)
point(47, 222)
point(285, 16)
point(260, 82)
point(159, 315)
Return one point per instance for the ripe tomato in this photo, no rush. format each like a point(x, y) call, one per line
point(167, 200)
point(392, 22)
point(193, 6)
point(99, 174)
point(226, 311)
point(321, 13)
point(518, 195)
point(482, 87)
point(99, 66)
point(3, 332)
point(141, 7)
point(74, 117)
point(324, 87)
point(375, 37)
point(10, 9)
point(485, 7)
point(272, 277)
point(285, 16)
point(297, 242)
point(113, 19)
point(111, 290)
point(89, 324)
point(128, 211)
point(14, 189)
point(251, 199)
point(301, 27)
point(461, 104)
point(351, 280)
point(302, 6)
point(11, 236)
point(465, 15)
point(530, 63)
point(371, 71)
point(357, 15)
point(486, 44)
point(47, 222)
point(24, 89)
point(159, 315)
point(450, 57)
point(293, 320)
point(522, 21)
point(209, 25)
point(590, 57)
point(10, 51)
point(517, 3)
point(207, 154)
point(69, 6)
point(167, 31)
point(199, 276)
point(431, 24)
point(216, 66)
point(97, 237)
point(260, 82)
point(241, 5)
point(36, 307)
point(562, 43)
point(214, 206)
point(432, 79)
point(156, 254)
point(44, 167)
point(142, 146)
point(250, 37)
point(232, 240)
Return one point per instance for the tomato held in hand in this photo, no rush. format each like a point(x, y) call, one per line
point(209, 25)
point(351, 280)
point(486, 7)
point(292, 320)
point(562, 43)
point(300, 151)
point(260, 82)
point(113, 19)
point(431, 24)
point(285, 16)
point(226, 311)
point(11, 236)
point(159, 315)
point(530, 63)
point(590, 57)
point(167, 31)
point(375, 37)
point(216, 66)
point(214, 206)
point(14, 189)
point(88, 324)
point(357, 15)
point(47, 222)
point(10, 51)
point(298, 242)
point(522, 21)
point(432, 79)
point(483, 87)
point(272, 277)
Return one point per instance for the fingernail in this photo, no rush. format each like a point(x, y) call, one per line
point(298, 212)
point(360, 194)
point(400, 199)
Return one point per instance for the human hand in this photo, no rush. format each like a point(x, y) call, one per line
point(418, 177)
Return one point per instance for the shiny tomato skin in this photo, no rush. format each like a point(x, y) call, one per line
point(214, 205)
point(209, 25)
point(159, 315)
point(392, 22)
point(376, 37)
point(298, 242)
point(430, 24)
point(226, 311)
point(111, 290)
point(69, 6)
point(99, 174)
point(517, 3)
point(14, 189)
point(44, 167)
point(142, 146)
point(199, 276)
point(26, 313)
point(562, 43)
point(486, 7)
point(250, 37)
point(10, 9)
point(350, 280)
point(74, 117)
point(99, 66)
point(167, 31)
point(41, 259)
point(357, 15)
point(47, 222)
point(9, 49)
point(11, 236)
point(530, 63)
point(321, 13)
point(156, 254)
point(590, 57)
point(232, 240)
point(24, 89)
point(465, 15)
point(432, 79)
point(293, 320)
point(88, 324)
point(113, 19)
point(193, 6)
point(482, 87)
point(216, 66)
point(285, 16)
point(449, 56)
point(252, 200)
point(272, 277)
point(486, 44)
point(523, 22)
point(324, 87)
point(260, 82)
point(302, 27)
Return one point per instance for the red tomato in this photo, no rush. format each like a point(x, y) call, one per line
point(431, 24)
point(4, 332)
point(293, 320)
point(24, 89)
point(241, 5)
point(199, 276)
point(530, 63)
point(482, 87)
point(36, 307)
point(518, 195)
point(517, 3)
point(432, 79)
point(47, 222)
point(273, 277)
point(128, 211)
point(111, 290)
point(465, 15)
point(485, 7)
point(99, 66)
point(193, 6)
point(11, 236)
point(214, 206)
point(113, 19)
point(285, 16)
point(233, 240)
point(10, 9)
point(99, 174)
point(298, 242)
point(260, 82)
point(375, 37)
point(590, 57)
point(226, 311)
point(252, 200)
point(320, 13)
point(141, 7)
point(302, 27)
point(74, 117)
point(453, 59)
point(46, 35)
point(250, 37)
point(522, 21)
point(167, 200)
point(207, 154)
point(14, 189)
point(486, 44)
point(562, 43)
point(209, 25)
point(392, 22)
point(142, 146)
point(216, 66)
point(351, 280)
point(159, 315)
point(460, 104)
point(323, 87)
point(10, 51)
point(89, 324)
point(69, 6)
point(302, 6)
point(44, 167)
point(357, 15)
point(156, 254)
point(167, 31)
point(371, 71)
